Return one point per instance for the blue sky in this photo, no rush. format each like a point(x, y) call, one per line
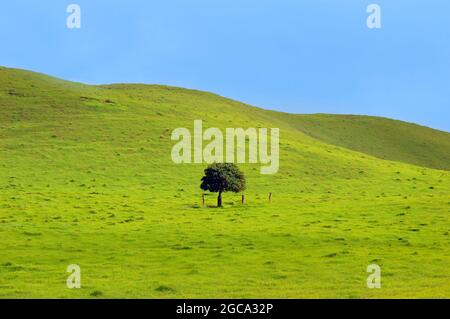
point(299, 56)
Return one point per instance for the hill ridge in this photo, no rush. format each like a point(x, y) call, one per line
point(381, 137)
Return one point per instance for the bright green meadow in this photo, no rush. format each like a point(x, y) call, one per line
point(86, 177)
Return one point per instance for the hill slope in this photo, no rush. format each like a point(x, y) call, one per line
point(380, 137)
point(86, 178)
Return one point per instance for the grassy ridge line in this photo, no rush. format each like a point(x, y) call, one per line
point(380, 137)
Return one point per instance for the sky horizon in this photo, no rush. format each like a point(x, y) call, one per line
point(287, 55)
point(356, 114)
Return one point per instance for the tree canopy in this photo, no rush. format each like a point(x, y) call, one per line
point(223, 177)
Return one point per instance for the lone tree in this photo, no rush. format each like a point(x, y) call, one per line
point(223, 177)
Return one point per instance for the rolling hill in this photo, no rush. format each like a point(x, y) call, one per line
point(381, 137)
point(86, 178)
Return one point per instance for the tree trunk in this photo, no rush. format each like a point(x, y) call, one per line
point(219, 200)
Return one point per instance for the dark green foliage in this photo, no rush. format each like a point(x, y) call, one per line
point(223, 177)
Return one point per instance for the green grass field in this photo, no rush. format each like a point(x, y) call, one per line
point(86, 178)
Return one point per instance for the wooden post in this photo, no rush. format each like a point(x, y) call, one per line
point(203, 200)
point(243, 200)
point(270, 197)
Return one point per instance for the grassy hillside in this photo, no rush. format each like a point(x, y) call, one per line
point(86, 178)
point(380, 137)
